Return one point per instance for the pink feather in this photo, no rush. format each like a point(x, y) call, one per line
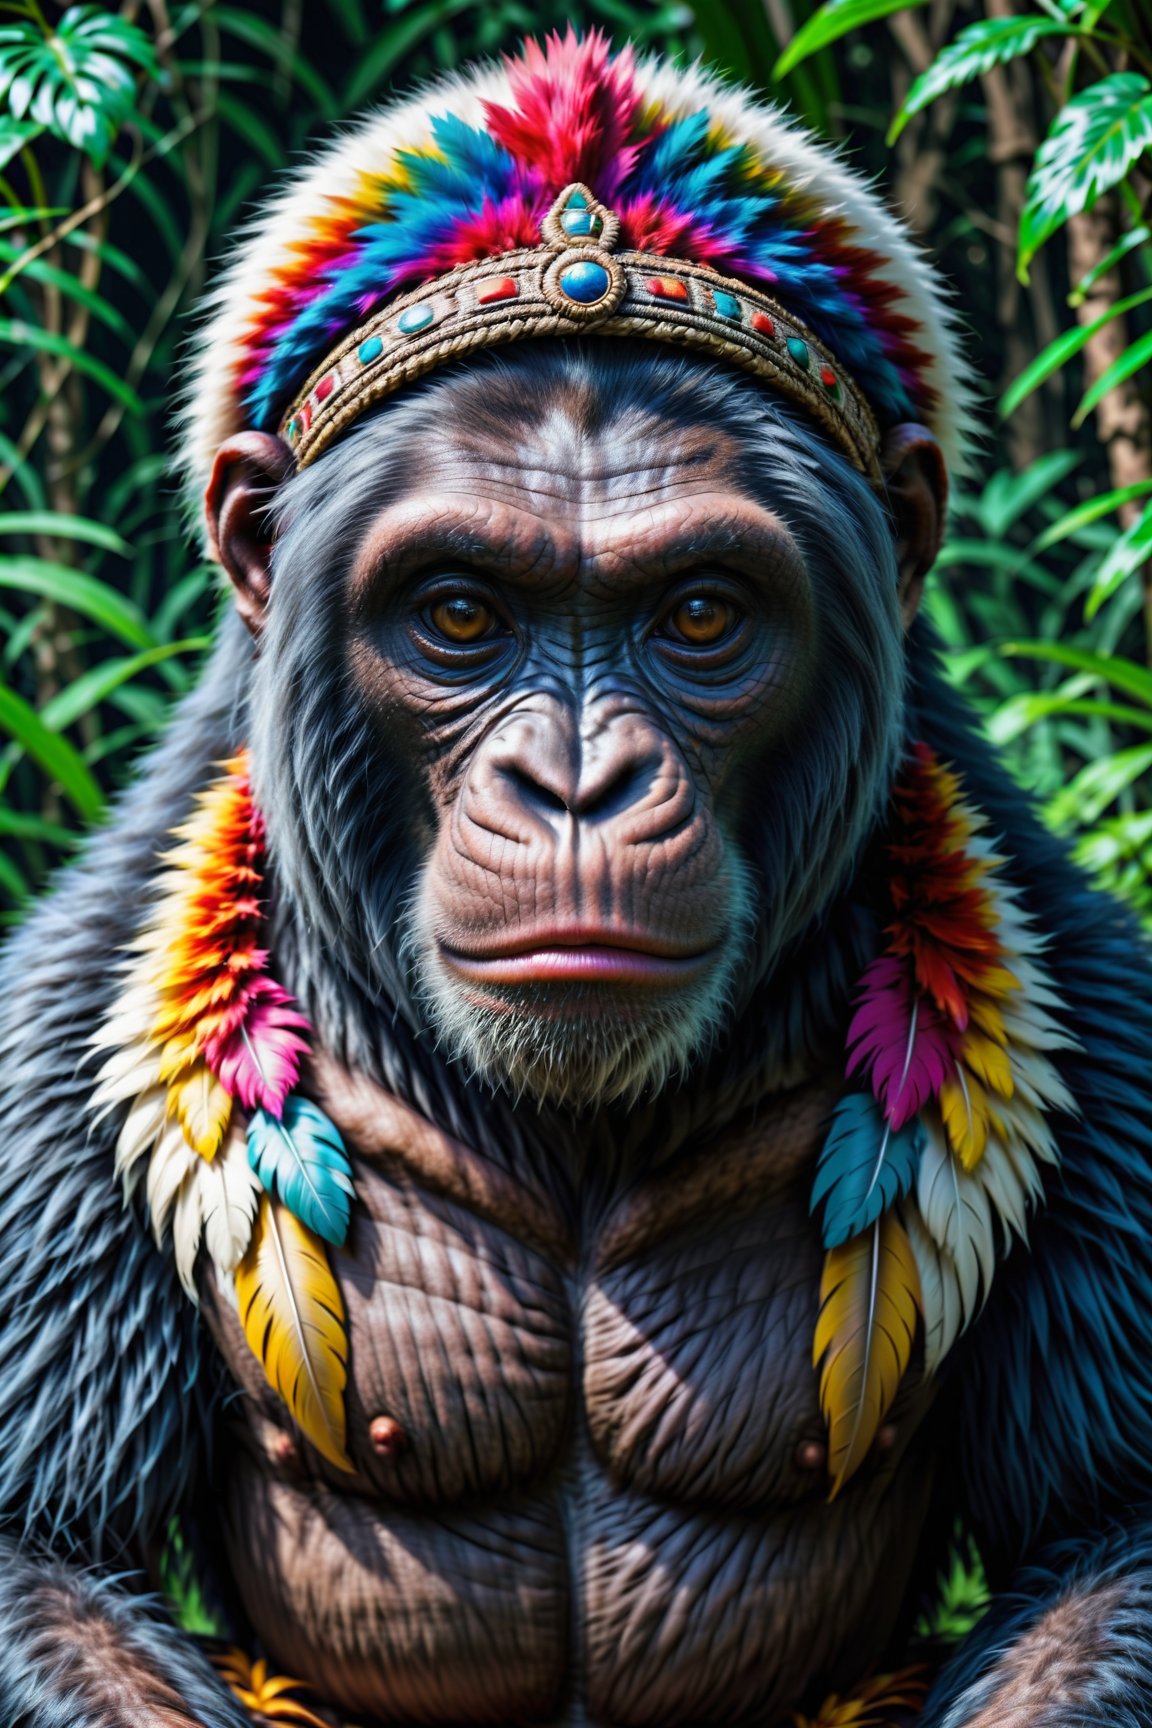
point(901, 1039)
point(257, 1056)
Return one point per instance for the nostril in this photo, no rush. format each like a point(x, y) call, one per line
point(625, 784)
point(533, 792)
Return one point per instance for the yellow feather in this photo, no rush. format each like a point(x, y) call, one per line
point(869, 1300)
point(293, 1317)
point(988, 1060)
point(965, 1109)
point(203, 1107)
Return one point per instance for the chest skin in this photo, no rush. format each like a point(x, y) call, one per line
point(598, 1503)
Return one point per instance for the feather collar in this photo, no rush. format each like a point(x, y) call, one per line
point(929, 1170)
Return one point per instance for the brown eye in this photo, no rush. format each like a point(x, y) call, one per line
point(702, 620)
point(462, 619)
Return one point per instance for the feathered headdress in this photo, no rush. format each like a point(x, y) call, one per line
point(573, 190)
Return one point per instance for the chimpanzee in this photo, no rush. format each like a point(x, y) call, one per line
point(572, 1122)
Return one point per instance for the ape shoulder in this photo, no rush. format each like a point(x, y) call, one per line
point(100, 1353)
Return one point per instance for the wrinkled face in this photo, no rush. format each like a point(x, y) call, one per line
point(587, 644)
point(563, 727)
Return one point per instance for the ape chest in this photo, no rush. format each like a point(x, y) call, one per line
point(674, 1363)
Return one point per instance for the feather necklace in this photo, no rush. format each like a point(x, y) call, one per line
point(930, 1166)
point(206, 1050)
point(930, 1169)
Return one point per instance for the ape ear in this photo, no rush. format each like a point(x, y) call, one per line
point(917, 483)
point(245, 475)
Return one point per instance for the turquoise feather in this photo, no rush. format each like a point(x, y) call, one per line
point(864, 1166)
point(301, 1160)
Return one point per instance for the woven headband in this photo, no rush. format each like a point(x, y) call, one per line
point(575, 281)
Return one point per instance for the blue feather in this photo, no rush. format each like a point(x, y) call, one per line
point(863, 1167)
point(301, 1159)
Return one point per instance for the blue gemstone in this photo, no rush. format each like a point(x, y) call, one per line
point(576, 201)
point(370, 350)
point(578, 222)
point(585, 282)
point(415, 318)
point(726, 304)
point(799, 352)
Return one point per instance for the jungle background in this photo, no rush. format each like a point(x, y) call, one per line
point(1014, 136)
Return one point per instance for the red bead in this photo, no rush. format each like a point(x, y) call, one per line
point(827, 377)
point(497, 288)
point(306, 416)
point(667, 288)
point(325, 387)
point(762, 322)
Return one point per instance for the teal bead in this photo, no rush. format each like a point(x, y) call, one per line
point(576, 201)
point(370, 350)
point(799, 352)
point(415, 318)
point(585, 282)
point(726, 304)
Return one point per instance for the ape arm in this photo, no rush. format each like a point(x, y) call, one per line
point(101, 1370)
point(1070, 1647)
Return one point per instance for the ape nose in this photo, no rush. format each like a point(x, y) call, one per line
point(615, 786)
point(555, 772)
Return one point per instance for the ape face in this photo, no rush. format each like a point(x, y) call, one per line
point(587, 641)
point(596, 739)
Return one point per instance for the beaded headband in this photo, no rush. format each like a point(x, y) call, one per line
point(574, 188)
point(576, 281)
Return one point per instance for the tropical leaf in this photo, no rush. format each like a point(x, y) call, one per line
point(835, 19)
point(80, 593)
point(64, 527)
point(18, 333)
point(1103, 504)
point(1138, 236)
point(1095, 139)
point(864, 1166)
point(59, 760)
point(1064, 348)
point(869, 1299)
point(79, 79)
point(1134, 359)
point(1130, 552)
point(293, 1317)
point(301, 1159)
point(976, 50)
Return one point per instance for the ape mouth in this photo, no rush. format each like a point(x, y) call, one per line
point(581, 956)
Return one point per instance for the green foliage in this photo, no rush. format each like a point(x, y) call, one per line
point(78, 80)
point(961, 1596)
point(1095, 139)
point(976, 50)
point(834, 20)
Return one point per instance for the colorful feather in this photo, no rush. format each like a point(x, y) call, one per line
point(200, 1033)
point(869, 1301)
point(293, 1317)
point(955, 1025)
point(865, 1165)
point(301, 1159)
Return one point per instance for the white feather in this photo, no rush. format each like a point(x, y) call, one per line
point(940, 1299)
point(170, 1162)
point(143, 1126)
point(955, 1209)
point(215, 1203)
